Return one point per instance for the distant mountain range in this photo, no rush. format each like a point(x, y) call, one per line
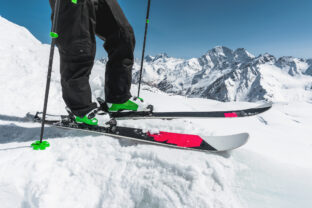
point(229, 75)
point(222, 74)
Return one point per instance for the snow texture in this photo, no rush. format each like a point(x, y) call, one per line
point(87, 170)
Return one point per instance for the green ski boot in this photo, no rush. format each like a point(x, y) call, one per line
point(89, 118)
point(133, 104)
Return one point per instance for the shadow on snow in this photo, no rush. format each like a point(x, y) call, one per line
point(14, 133)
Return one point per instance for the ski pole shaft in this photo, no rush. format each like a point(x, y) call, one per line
point(53, 35)
point(143, 51)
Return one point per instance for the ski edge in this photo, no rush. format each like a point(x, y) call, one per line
point(193, 115)
point(244, 137)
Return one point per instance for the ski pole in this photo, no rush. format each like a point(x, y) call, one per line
point(41, 145)
point(143, 51)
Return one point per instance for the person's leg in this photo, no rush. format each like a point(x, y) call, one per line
point(113, 27)
point(76, 44)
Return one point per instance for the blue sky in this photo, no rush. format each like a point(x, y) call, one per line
point(184, 28)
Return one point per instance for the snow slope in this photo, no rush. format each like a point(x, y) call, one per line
point(86, 170)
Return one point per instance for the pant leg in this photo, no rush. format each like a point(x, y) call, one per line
point(113, 27)
point(76, 44)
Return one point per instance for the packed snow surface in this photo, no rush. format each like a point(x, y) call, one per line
point(88, 170)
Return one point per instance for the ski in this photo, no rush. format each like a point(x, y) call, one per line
point(197, 114)
point(169, 139)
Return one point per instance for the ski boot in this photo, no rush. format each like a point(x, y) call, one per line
point(89, 118)
point(92, 120)
point(133, 104)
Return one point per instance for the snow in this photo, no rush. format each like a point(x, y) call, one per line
point(229, 75)
point(89, 170)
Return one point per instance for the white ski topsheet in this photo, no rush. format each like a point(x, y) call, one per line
point(229, 142)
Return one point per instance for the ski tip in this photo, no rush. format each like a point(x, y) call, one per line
point(245, 136)
point(266, 105)
point(227, 143)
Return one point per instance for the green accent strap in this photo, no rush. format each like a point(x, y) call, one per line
point(40, 146)
point(86, 120)
point(74, 1)
point(129, 105)
point(147, 21)
point(53, 35)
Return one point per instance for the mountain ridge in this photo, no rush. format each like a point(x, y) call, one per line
point(221, 73)
point(229, 75)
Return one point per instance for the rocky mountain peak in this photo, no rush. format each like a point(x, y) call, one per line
point(161, 56)
point(242, 55)
point(227, 75)
point(220, 51)
point(265, 58)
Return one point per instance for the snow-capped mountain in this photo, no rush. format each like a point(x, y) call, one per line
point(229, 75)
point(89, 170)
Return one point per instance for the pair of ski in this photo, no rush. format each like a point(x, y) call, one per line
point(177, 140)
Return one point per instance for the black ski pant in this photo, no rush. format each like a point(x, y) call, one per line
point(77, 26)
